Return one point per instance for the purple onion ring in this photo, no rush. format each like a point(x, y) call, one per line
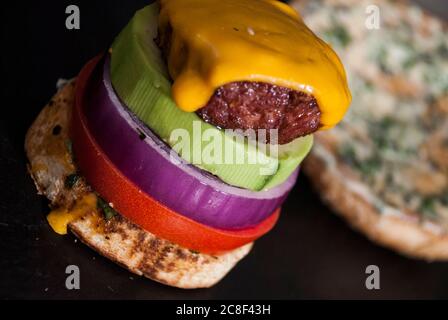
point(147, 161)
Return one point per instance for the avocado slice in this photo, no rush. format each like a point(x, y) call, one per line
point(141, 80)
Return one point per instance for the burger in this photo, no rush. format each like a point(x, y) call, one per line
point(172, 152)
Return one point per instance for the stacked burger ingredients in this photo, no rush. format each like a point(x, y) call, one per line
point(191, 130)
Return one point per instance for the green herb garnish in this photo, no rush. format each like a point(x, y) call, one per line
point(380, 132)
point(382, 60)
point(442, 50)
point(369, 86)
point(367, 167)
point(386, 123)
point(427, 207)
point(107, 210)
point(370, 166)
point(347, 154)
point(339, 36)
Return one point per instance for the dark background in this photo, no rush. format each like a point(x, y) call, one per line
point(310, 254)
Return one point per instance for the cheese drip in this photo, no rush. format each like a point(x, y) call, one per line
point(214, 42)
point(60, 218)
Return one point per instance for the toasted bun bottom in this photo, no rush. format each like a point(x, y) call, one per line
point(47, 146)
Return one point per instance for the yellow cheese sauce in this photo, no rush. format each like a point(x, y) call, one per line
point(60, 218)
point(214, 42)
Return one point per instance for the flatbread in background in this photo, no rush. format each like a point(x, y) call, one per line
point(385, 167)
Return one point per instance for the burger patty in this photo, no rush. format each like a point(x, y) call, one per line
point(257, 105)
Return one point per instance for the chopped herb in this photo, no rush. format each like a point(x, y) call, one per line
point(338, 36)
point(71, 180)
point(194, 252)
point(347, 154)
point(370, 166)
point(442, 50)
point(379, 133)
point(411, 57)
point(107, 210)
point(381, 142)
point(381, 56)
point(426, 57)
point(369, 86)
point(427, 207)
point(409, 63)
point(386, 123)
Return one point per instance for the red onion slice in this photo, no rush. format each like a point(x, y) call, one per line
point(182, 187)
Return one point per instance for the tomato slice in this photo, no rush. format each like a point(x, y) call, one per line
point(138, 206)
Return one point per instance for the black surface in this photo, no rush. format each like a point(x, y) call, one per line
point(310, 254)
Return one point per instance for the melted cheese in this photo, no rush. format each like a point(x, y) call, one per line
point(60, 218)
point(214, 42)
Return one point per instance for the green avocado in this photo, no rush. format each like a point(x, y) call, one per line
point(141, 80)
